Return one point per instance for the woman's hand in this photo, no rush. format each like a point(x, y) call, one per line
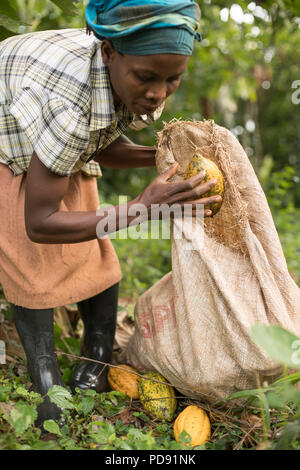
point(161, 191)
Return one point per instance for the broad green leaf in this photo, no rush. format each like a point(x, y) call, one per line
point(22, 416)
point(22, 391)
point(65, 5)
point(147, 443)
point(279, 343)
point(87, 404)
point(105, 433)
point(23, 447)
point(184, 438)
point(7, 9)
point(284, 395)
point(276, 400)
point(10, 24)
point(51, 426)
point(67, 375)
point(70, 444)
point(48, 445)
point(134, 433)
point(61, 397)
point(124, 445)
point(74, 345)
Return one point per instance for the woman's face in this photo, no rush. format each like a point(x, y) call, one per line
point(142, 83)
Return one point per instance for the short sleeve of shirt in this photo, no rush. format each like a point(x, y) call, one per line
point(57, 133)
point(140, 122)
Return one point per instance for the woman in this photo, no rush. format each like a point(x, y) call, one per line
point(66, 99)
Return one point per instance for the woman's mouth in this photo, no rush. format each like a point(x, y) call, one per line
point(148, 109)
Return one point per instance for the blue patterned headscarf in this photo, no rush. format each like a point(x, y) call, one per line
point(141, 27)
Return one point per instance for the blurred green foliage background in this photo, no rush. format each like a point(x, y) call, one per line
point(245, 75)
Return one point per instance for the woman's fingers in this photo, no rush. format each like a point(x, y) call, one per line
point(207, 213)
point(194, 207)
point(187, 185)
point(206, 200)
point(194, 193)
point(161, 191)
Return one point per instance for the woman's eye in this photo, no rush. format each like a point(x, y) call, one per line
point(144, 79)
point(173, 79)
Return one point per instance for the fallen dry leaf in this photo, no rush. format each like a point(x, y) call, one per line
point(6, 407)
point(254, 421)
point(126, 416)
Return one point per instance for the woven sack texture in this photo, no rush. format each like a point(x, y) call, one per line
point(193, 326)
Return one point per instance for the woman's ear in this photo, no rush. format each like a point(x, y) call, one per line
point(108, 52)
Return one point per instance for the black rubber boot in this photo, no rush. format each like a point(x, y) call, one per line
point(99, 315)
point(35, 329)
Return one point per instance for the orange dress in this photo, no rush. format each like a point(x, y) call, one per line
point(41, 276)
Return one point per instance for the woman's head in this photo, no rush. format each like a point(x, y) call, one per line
point(146, 46)
point(142, 83)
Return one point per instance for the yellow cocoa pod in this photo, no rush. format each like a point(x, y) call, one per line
point(157, 399)
point(124, 381)
point(199, 163)
point(195, 422)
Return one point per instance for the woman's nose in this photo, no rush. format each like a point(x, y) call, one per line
point(157, 93)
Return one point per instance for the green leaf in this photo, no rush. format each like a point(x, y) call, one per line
point(134, 433)
point(51, 426)
point(279, 343)
point(22, 416)
point(7, 9)
point(143, 416)
point(288, 435)
point(293, 378)
point(74, 345)
point(22, 391)
point(124, 445)
point(105, 433)
point(67, 373)
point(286, 394)
point(65, 5)
point(266, 406)
point(244, 394)
point(87, 404)
point(70, 444)
point(184, 438)
point(48, 445)
point(10, 24)
point(61, 397)
point(276, 400)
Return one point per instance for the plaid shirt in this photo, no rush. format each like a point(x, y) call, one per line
point(56, 99)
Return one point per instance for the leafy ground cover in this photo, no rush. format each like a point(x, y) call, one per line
point(236, 77)
point(266, 418)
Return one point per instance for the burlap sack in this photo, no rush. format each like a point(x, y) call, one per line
point(193, 325)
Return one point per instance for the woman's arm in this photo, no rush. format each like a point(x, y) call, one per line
point(123, 153)
point(46, 223)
